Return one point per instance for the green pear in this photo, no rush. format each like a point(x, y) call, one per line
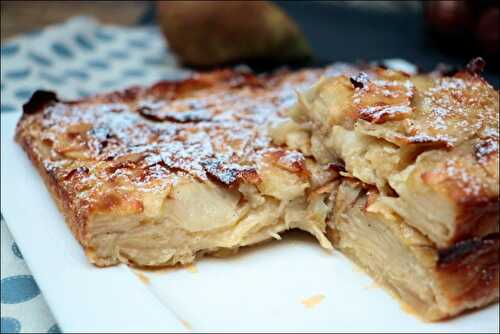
point(211, 33)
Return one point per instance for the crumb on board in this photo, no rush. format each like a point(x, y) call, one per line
point(144, 279)
point(408, 309)
point(192, 268)
point(313, 301)
point(186, 324)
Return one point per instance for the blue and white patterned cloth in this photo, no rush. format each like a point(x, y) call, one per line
point(23, 307)
point(75, 59)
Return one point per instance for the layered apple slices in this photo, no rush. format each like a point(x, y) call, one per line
point(418, 204)
point(161, 175)
point(398, 171)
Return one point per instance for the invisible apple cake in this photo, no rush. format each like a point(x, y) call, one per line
point(401, 171)
point(417, 206)
point(160, 175)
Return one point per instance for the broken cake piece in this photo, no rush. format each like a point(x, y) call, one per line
point(400, 171)
point(434, 282)
point(428, 142)
point(418, 201)
point(161, 175)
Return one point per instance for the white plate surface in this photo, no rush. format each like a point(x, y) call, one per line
point(259, 289)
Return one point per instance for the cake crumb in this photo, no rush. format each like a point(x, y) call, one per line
point(408, 309)
point(192, 268)
point(143, 278)
point(186, 324)
point(313, 301)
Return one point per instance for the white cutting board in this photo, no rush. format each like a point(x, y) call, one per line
point(260, 289)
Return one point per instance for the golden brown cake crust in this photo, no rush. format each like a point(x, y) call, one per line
point(61, 197)
point(436, 283)
point(418, 201)
point(105, 156)
point(427, 141)
point(469, 271)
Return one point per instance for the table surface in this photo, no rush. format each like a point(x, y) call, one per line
point(25, 16)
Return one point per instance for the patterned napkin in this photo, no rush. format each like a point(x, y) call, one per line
point(23, 307)
point(75, 59)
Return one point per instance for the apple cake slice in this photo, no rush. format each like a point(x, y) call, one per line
point(434, 282)
point(160, 175)
point(418, 203)
point(428, 142)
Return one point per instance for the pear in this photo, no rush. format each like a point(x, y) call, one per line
point(211, 33)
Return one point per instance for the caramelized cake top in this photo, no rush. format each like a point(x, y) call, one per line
point(211, 126)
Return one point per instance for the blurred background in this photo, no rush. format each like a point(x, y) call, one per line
point(272, 33)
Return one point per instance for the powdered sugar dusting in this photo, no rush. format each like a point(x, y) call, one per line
point(291, 157)
point(212, 126)
point(427, 139)
point(379, 101)
point(485, 148)
point(468, 183)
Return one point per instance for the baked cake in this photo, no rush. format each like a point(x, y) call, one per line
point(417, 205)
point(160, 175)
